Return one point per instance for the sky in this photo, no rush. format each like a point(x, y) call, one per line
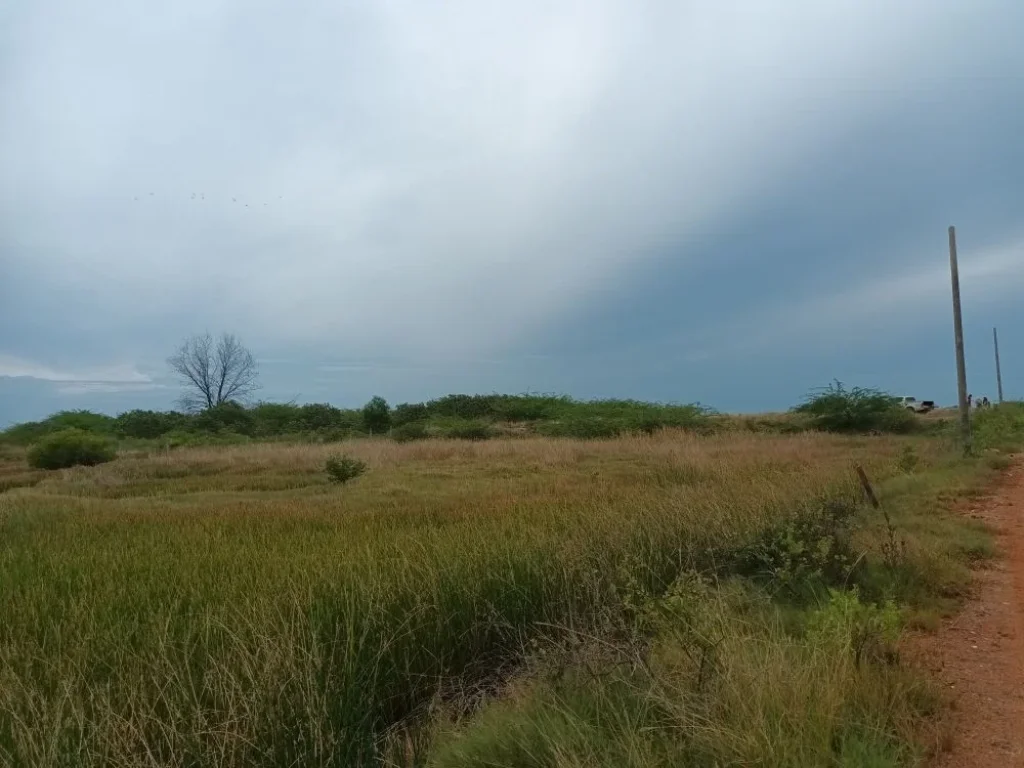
point(728, 202)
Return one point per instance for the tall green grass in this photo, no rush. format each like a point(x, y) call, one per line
point(719, 670)
point(229, 607)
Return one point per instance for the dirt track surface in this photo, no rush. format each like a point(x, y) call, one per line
point(979, 655)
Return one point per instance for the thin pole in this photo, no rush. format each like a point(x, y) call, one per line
point(958, 336)
point(999, 373)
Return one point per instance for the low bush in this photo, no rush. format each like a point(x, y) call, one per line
point(31, 431)
point(69, 448)
point(467, 429)
point(860, 409)
point(406, 433)
point(226, 417)
point(148, 425)
point(341, 469)
point(582, 428)
point(799, 556)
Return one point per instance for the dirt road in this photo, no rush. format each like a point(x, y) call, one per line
point(979, 655)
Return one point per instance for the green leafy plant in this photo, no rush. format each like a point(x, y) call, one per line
point(69, 448)
point(341, 469)
point(811, 549)
point(860, 409)
point(846, 624)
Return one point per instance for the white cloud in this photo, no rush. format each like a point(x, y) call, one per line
point(443, 180)
point(102, 388)
point(122, 374)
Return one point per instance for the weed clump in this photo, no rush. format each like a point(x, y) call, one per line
point(70, 448)
point(341, 469)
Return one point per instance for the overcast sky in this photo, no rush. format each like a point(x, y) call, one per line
point(730, 202)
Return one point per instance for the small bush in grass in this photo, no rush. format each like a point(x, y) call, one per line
point(406, 433)
point(811, 549)
point(861, 409)
point(341, 469)
point(845, 623)
point(69, 448)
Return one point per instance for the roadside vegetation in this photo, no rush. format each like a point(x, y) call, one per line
point(486, 581)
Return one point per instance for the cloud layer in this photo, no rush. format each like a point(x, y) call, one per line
point(411, 184)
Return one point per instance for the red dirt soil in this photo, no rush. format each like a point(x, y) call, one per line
point(979, 655)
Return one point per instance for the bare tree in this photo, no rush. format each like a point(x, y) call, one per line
point(214, 372)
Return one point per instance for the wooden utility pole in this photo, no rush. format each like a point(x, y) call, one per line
point(999, 373)
point(958, 336)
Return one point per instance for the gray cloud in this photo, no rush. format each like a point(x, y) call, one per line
point(450, 183)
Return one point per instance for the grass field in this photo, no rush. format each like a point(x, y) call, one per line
point(230, 607)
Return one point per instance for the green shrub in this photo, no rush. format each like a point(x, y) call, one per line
point(377, 416)
point(69, 448)
point(148, 425)
point(1000, 427)
point(25, 433)
point(226, 417)
point(406, 433)
point(847, 625)
point(409, 413)
point(32, 431)
point(582, 428)
point(341, 469)
point(861, 409)
point(514, 408)
point(467, 429)
point(810, 550)
point(317, 417)
point(87, 421)
point(462, 406)
point(271, 419)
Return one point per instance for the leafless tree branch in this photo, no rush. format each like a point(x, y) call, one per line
point(214, 372)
